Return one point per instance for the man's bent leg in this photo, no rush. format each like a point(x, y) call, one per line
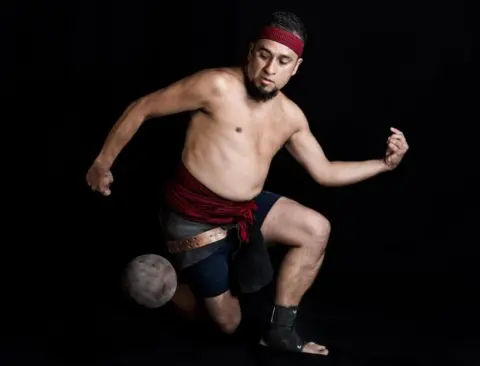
point(209, 282)
point(306, 232)
point(203, 273)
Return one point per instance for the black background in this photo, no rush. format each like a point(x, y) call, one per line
point(400, 275)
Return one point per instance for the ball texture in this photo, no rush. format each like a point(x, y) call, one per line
point(150, 280)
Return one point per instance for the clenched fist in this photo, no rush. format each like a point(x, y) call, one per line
point(397, 147)
point(99, 178)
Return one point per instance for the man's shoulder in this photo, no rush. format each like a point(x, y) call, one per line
point(292, 110)
point(220, 79)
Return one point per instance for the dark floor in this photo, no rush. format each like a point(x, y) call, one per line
point(356, 335)
point(361, 322)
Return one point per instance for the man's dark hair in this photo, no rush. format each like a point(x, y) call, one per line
point(289, 22)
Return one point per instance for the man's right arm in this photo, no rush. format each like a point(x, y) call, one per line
point(194, 92)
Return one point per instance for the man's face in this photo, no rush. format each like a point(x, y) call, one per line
point(270, 66)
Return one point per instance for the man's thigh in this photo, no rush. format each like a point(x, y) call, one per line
point(286, 221)
point(265, 201)
point(205, 272)
point(210, 276)
point(209, 280)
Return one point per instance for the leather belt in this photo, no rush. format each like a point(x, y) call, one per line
point(197, 241)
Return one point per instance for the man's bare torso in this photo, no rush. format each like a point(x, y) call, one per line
point(230, 148)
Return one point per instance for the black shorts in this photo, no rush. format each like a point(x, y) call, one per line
point(207, 270)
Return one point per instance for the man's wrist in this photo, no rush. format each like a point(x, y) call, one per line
point(384, 167)
point(104, 162)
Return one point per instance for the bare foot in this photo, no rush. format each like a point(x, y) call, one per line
point(309, 347)
point(314, 348)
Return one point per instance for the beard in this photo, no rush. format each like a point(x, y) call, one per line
point(257, 93)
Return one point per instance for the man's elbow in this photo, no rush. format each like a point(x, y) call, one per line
point(143, 109)
point(326, 181)
point(325, 175)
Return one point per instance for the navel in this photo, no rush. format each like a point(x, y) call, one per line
point(238, 129)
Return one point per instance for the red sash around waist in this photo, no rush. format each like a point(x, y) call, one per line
point(195, 202)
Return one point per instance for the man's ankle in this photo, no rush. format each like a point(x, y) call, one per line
point(283, 315)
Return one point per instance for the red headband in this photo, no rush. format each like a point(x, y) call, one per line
point(284, 37)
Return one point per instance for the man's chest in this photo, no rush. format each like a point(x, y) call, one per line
point(266, 130)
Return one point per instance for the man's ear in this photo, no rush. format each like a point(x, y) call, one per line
point(250, 50)
point(299, 62)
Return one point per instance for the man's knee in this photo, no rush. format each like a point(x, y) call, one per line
point(318, 228)
point(229, 324)
point(225, 312)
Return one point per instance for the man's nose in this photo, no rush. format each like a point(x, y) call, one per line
point(270, 68)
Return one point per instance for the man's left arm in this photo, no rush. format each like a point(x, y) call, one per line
point(304, 147)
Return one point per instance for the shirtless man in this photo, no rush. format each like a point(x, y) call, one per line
point(240, 120)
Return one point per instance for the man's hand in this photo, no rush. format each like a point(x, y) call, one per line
point(397, 147)
point(99, 178)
